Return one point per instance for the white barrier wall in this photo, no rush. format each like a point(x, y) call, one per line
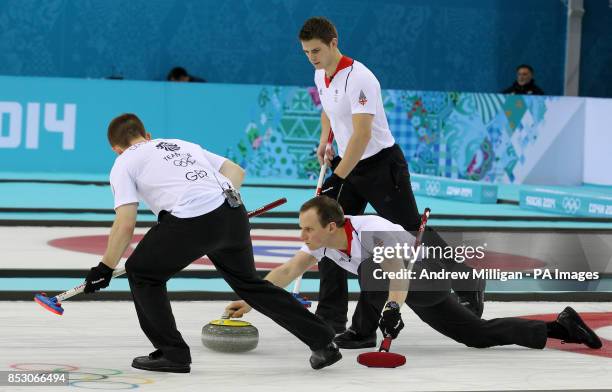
point(597, 168)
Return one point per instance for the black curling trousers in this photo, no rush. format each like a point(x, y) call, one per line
point(433, 304)
point(224, 236)
point(455, 321)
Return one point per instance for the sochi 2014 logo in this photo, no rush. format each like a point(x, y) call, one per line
point(571, 205)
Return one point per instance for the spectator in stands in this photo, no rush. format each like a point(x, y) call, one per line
point(179, 74)
point(525, 83)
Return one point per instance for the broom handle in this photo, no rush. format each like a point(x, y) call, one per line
point(79, 289)
point(120, 271)
point(385, 345)
point(330, 139)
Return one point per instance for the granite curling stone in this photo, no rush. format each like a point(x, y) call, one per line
point(230, 336)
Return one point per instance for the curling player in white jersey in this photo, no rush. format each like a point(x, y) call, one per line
point(194, 194)
point(370, 168)
point(349, 241)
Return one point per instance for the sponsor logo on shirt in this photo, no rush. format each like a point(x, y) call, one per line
point(362, 98)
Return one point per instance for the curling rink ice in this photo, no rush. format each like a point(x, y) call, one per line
point(96, 342)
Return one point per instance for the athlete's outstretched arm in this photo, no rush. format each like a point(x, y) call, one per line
point(280, 276)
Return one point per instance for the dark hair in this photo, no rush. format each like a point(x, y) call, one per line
point(328, 210)
point(176, 73)
point(125, 128)
point(318, 27)
point(529, 67)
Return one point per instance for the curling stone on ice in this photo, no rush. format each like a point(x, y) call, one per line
point(230, 336)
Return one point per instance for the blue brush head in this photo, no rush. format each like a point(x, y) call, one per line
point(50, 304)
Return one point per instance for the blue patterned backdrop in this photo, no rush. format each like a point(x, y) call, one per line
point(459, 45)
point(474, 136)
point(57, 125)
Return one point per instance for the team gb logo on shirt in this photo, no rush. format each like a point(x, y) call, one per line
point(168, 146)
point(362, 98)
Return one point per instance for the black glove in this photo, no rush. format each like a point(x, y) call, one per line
point(332, 186)
point(390, 322)
point(98, 278)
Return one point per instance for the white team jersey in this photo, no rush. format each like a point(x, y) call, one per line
point(361, 248)
point(354, 89)
point(169, 174)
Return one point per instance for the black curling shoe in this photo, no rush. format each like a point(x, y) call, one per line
point(352, 340)
point(577, 329)
point(156, 362)
point(325, 356)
